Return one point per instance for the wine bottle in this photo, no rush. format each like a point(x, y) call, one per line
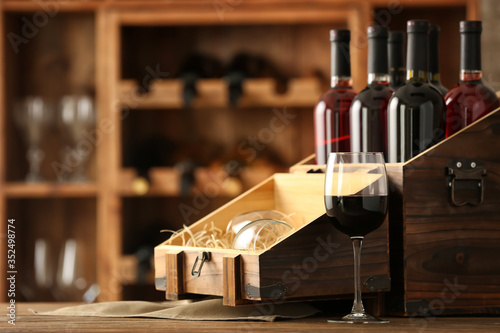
point(416, 111)
point(244, 66)
point(397, 69)
point(197, 66)
point(154, 151)
point(331, 115)
point(471, 99)
point(368, 113)
point(434, 76)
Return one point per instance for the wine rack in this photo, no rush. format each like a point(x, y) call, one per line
point(103, 47)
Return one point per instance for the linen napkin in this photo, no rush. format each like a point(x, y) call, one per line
point(211, 309)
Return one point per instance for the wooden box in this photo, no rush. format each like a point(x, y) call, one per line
point(444, 220)
point(315, 261)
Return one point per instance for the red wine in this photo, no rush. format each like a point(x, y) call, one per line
point(434, 76)
point(416, 111)
point(356, 215)
point(331, 115)
point(368, 113)
point(471, 99)
point(332, 127)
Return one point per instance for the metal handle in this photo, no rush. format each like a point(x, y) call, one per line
point(469, 175)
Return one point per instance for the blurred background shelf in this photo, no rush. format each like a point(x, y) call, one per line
point(49, 189)
point(168, 182)
point(167, 94)
point(107, 49)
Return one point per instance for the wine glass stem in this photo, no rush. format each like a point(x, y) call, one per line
point(357, 306)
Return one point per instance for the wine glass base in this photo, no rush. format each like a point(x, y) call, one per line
point(358, 318)
point(34, 178)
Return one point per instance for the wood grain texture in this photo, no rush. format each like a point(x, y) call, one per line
point(232, 281)
point(449, 252)
point(174, 264)
point(317, 261)
point(29, 322)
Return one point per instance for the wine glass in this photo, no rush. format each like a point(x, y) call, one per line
point(33, 116)
point(356, 202)
point(77, 116)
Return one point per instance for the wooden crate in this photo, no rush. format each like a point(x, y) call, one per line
point(444, 255)
point(313, 262)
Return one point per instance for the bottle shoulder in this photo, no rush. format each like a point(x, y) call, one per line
point(470, 89)
point(375, 91)
point(416, 93)
point(439, 86)
point(341, 93)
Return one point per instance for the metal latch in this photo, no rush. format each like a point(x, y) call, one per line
point(375, 283)
point(202, 257)
point(466, 175)
point(273, 291)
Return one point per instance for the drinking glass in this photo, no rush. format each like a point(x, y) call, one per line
point(356, 203)
point(33, 116)
point(77, 117)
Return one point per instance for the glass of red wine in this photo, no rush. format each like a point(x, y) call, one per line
point(356, 201)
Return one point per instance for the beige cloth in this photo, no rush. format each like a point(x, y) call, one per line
point(211, 309)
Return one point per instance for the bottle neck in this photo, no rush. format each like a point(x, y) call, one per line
point(341, 81)
point(378, 78)
point(417, 57)
point(433, 55)
point(470, 75)
point(377, 56)
point(434, 77)
point(470, 51)
point(340, 62)
point(416, 75)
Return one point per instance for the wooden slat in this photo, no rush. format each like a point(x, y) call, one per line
point(3, 205)
point(232, 280)
point(174, 264)
point(167, 94)
point(51, 6)
point(109, 225)
point(43, 190)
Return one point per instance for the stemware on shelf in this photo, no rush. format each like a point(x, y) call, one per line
point(33, 116)
point(76, 118)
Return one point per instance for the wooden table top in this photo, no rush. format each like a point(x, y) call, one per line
point(26, 321)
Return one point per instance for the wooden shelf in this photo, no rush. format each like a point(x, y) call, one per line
point(301, 92)
point(166, 181)
point(48, 189)
point(163, 182)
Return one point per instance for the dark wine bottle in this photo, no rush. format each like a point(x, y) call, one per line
point(471, 99)
point(154, 151)
point(244, 66)
point(331, 115)
point(197, 66)
point(368, 113)
point(397, 69)
point(416, 111)
point(434, 76)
